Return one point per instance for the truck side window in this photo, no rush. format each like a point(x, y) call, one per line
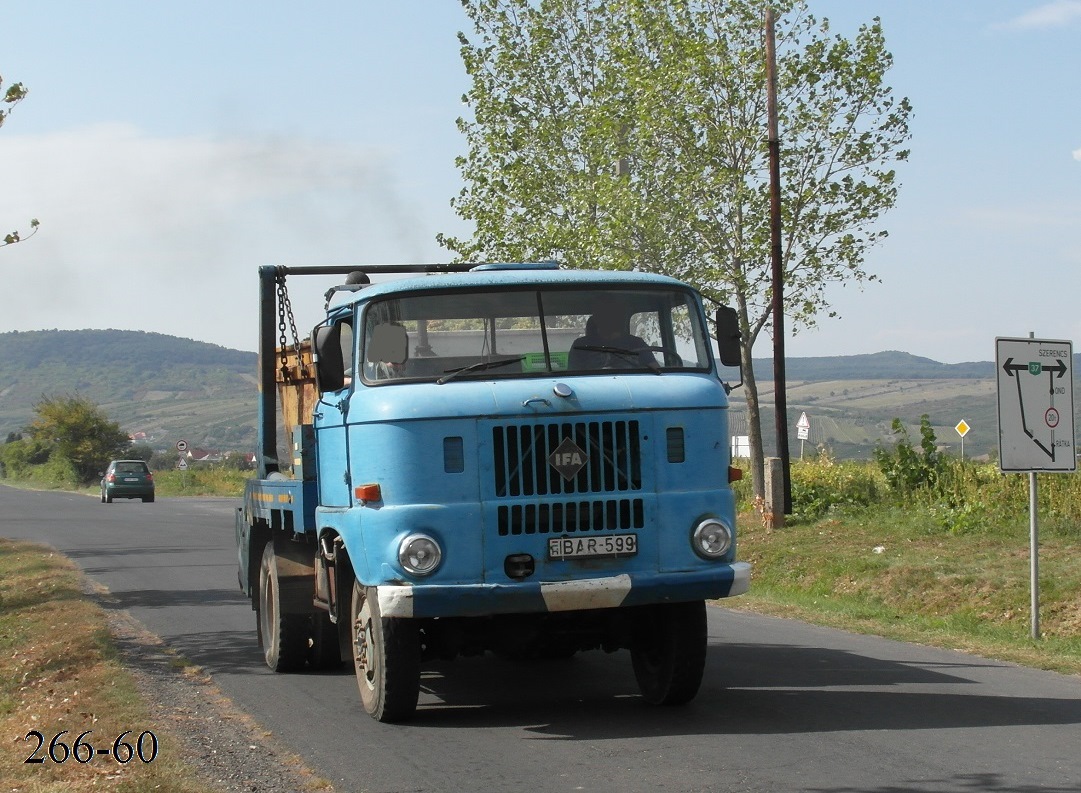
point(346, 340)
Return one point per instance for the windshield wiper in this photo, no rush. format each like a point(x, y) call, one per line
point(643, 356)
point(477, 367)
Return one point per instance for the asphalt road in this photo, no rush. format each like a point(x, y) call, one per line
point(784, 707)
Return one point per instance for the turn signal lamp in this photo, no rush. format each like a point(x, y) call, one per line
point(366, 493)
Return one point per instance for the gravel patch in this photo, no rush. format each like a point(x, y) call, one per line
point(226, 748)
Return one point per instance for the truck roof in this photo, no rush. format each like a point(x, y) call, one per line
point(511, 277)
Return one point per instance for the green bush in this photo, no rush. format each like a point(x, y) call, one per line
point(17, 457)
point(201, 480)
point(907, 470)
point(823, 485)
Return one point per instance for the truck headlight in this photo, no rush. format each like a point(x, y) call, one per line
point(711, 539)
point(419, 554)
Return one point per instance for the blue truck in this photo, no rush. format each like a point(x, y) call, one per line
point(508, 458)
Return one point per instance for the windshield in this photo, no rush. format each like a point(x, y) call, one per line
point(457, 335)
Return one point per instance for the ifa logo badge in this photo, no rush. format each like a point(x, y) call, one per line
point(568, 458)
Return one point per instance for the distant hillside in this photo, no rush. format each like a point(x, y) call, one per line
point(149, 382)
point(171, 388)
point(852, 400)
point(888, 365)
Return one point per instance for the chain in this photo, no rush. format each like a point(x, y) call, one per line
point(285, 312)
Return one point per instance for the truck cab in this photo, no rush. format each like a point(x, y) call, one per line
point(516, 459)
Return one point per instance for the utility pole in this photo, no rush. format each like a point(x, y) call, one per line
point(779, 393)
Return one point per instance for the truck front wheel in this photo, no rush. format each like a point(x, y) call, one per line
point(669, 653)
point(386, 654)
point(283, 637)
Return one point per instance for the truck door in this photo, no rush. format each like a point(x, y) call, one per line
point(333, 350)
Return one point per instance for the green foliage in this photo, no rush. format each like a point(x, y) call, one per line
point(237, 461)
point(823, 486)
point(78, 434)
point(629, 134)
point(163, 460)
point(19, 455)
point(14, 94)
point(140, 451)
point(907, 470)
point(201, 480)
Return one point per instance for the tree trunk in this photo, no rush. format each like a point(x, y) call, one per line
point(754, 425)
point(750, 389)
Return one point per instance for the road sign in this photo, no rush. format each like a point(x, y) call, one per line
point(1035, 405)
point(803, 427)
point(181, 446)
point(962, 428)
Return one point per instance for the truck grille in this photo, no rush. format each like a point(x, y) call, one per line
point(612, 464)
point(572, 516)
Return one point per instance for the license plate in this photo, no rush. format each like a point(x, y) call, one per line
point(592, 547)
point(131, 479)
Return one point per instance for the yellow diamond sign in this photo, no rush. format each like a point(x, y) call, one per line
point(962, 428)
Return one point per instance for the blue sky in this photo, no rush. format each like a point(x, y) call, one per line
point(171, 148)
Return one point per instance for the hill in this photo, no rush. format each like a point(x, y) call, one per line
point(168, 388)
point(887, 365)
point(163, 386)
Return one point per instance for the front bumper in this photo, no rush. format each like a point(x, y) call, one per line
point(634, 589)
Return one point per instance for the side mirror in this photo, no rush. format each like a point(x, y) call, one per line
point(728, 336)
point(327, 357)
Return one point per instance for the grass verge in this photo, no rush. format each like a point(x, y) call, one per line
point(894, 572)
point(60, 676)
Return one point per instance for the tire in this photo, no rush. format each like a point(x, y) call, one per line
point(669, 655)
point(106, 498)
point(325, 652)
point(386, 656)
point(103, 497)
point(283, 637)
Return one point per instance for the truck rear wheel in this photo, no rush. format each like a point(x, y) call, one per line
point(386, 654)
point(669, 655)
point(283, 637)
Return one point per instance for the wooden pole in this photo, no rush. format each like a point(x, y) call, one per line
point(779, 394)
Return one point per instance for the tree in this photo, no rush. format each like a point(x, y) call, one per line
point(632, 134)
point(15, 93)
point(78, 431)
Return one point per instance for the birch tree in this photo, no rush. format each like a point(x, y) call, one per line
point(631, 134)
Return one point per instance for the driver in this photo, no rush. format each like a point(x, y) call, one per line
point(608, 344)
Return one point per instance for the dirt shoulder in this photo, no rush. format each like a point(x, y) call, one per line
point(228, 750)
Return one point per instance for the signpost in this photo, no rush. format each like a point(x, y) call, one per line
point(1035, 423)
point(803, 431)
point(962, 430)
point(182, 464)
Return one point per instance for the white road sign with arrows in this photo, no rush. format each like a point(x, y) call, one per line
point(1035, 405)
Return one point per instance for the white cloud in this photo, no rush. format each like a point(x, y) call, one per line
point(1077, 154)
point(165, 234)
point(1060, 13)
